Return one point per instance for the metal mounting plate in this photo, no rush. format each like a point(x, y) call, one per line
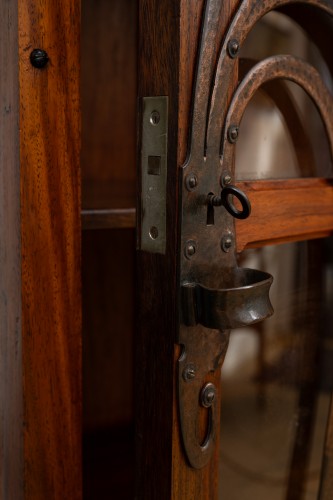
point(154, 174)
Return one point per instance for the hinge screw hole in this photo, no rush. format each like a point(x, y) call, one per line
point(153, 233)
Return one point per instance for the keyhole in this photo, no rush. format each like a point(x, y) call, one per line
point(210, 212)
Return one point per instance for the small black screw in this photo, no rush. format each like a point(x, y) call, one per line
point(189, 373)
point(191, 182)
point(208, 394)
point(233, 134)
point(233, 48)
point(190, 249)
point(39, 58)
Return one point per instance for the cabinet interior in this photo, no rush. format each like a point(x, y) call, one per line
point(108, 165)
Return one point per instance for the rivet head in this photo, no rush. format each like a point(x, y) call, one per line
point(189, 372)
point(226, 243)
point(233, 48)
point(191, 182)
point(39, 58)
point(190, 249)
point(208, 395)
point(226, 180)
point(233, 133)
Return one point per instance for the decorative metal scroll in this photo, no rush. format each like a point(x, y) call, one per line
point(213, 289)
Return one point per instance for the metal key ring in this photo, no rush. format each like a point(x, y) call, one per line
point(230, 207)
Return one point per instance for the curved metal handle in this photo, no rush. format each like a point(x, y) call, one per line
point(243, 299)
point(243, 303)
point(225, 200)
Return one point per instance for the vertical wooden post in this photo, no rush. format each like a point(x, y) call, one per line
point(40, 316)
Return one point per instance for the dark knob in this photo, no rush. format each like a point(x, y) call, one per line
point(39, 58)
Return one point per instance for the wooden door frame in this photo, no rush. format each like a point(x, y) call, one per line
point(40, 315)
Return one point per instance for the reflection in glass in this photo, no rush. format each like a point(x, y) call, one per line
point(281, 133)
point(277, 381)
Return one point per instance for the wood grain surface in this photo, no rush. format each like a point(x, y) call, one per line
point(326, 486)
point(286, 210)
point(11, 391)
point(50, 229)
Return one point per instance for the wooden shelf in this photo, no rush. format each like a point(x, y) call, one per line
point(108, 205)
point(286, 210)
point(108, 218)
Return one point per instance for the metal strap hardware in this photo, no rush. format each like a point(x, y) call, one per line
point(216, 295)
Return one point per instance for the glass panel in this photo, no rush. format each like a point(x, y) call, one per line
point(282, 134)
point(277, 381)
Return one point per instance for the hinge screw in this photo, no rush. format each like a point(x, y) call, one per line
point(39, 58)
point(233, 48)
point(232, 133)
point(189, 373)
point(208, 394)
point(191, 182)
point(190, 249)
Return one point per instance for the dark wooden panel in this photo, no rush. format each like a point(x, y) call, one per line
point(108, 328)
point(108, 464)
point(108, 96)
point(113, 194)
point(326, 486)
point(289, 210)
point(11, 402)
point(156, 319)
point(50, 226)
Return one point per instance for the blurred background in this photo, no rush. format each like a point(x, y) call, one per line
point(277, 376)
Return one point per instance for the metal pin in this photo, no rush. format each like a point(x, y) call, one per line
point(190, 249)
point(233, 48)
point(208, 394)
point(189, 373)
point(191, 182)
point(233, 134)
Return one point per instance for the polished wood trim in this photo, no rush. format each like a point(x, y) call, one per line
point(51, 239)
point(286, 210)
point(11, 398)
point(108, 219)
